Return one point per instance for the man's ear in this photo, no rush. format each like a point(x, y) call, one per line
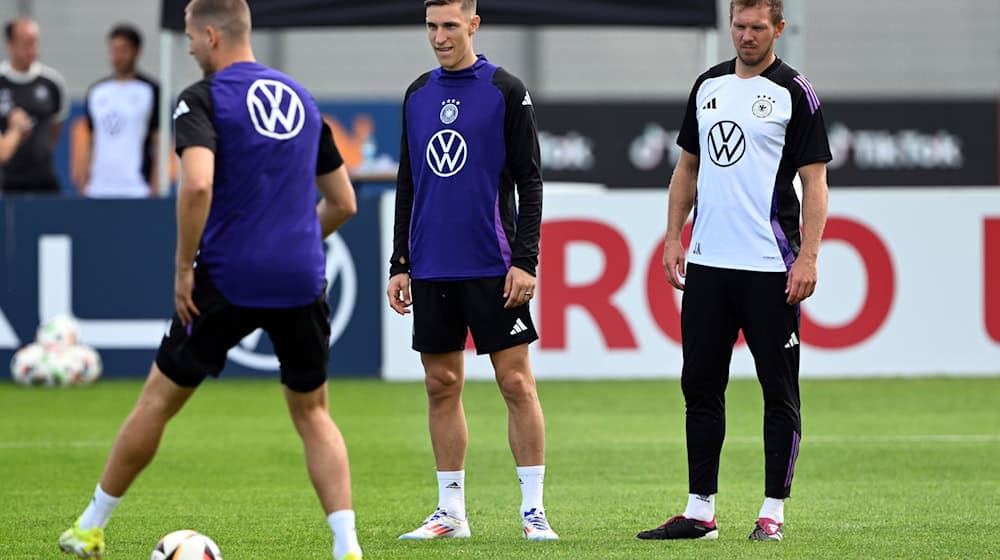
point(474, 24)
point(213, 36)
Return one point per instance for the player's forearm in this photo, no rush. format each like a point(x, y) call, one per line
point(814, 208)
point(339, 203)
point(683, 186)
point(400, 261)
point(193, 205)
point(9, 142)
point(333, 215)
point(524, 252)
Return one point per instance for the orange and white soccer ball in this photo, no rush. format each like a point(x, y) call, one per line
point(186, 545)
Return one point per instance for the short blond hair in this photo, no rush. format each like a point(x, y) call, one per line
point(777, 8)
point(467, 5)
point(231, 17)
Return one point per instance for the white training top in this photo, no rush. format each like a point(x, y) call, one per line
point(122, 118)
point(751, 135)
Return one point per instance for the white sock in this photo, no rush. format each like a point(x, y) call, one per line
point(451, 492)
point(345, 537)
point(99, 510)
point(700, 507)
point(532, 480)
point(773, 509)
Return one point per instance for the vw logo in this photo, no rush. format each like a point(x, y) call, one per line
point(726, 143)
point(446, 153)
point(113, 123)
point(275, 109)
point(339, 265)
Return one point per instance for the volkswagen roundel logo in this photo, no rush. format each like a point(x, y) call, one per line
point(446, 153)
point(726, 143)
point(342, 293)
point(275, 109)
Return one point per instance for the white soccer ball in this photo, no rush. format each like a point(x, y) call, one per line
point(26, 367)
point(87, 362)
point(186, 545)
point(61, 330)
point(61, 366)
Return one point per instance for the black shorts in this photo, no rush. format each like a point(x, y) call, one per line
point(300, 336)
point(444, 311)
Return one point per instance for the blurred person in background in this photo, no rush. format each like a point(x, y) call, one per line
point(40, 92)
point(469, 138)
point(118, 140)
point(751, 124)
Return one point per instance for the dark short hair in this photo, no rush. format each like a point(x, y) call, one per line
point(11, 26)
point(777, 8)
point(127, 32)
point(468, 5)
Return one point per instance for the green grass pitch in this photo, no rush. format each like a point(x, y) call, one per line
point(890, 468)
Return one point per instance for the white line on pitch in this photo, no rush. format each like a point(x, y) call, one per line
point(53, 444)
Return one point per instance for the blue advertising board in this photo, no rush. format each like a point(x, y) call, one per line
point(109, 263)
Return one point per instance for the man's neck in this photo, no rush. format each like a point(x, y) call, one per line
point(468, 61)
point(234, 56)
point(19, 68)
point(744, 71)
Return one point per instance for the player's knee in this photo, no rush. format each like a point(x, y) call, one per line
point(517, 386)
point(443, 384)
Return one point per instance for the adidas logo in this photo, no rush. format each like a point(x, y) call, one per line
point(527, 99)
point(710, 105)
point(519, 327)
point(182, 109)
point(454, 486)
point(793, 341)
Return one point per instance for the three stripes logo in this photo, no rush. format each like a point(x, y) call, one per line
point(793, 341)
point(519, 327)
point(712, 104)
point(726, 143)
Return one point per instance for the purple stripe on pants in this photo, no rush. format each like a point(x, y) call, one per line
point(792, 457)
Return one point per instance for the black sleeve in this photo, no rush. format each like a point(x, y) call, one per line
point(193, 118)
point(328, 160)
point(400, 261)
point(805, 137)
point(154, 115)
point(87, 116)
point(524, 162)
point(688, 137)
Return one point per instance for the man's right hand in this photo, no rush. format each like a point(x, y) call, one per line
point(673, 263)
point(399, 293)
point(20, 120)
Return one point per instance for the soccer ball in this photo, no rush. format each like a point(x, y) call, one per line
point(62, 366)
point(87, 363)
point(38, 366)
point(27, 368)
point(60, 330)
point(186, 545)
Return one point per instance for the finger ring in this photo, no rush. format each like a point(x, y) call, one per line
point(527, 294)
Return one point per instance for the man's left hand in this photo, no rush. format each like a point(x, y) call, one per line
point(801, 280)
point(519, 288)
